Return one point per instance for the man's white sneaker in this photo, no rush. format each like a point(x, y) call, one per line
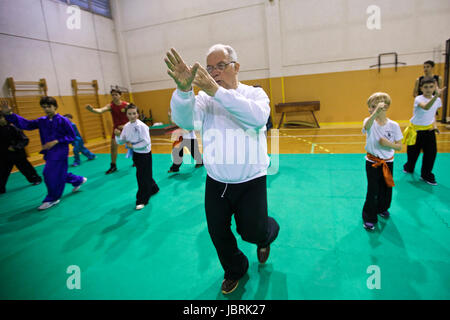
point(78, 187)
point(140, 206)
point(46, 205)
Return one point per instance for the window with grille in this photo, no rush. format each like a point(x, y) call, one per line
point(100, 7)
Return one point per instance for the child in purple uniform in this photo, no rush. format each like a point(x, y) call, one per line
point(56, 133)
point(78, 145)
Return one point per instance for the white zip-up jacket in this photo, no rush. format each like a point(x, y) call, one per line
point(138, 134)
point(233, 128)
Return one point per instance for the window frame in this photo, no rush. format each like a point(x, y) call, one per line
point(94, 9)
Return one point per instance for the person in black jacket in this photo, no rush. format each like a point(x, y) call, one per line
point(428, 71)
point(12, 152)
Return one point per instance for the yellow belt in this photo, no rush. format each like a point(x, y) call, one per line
point(410, 133)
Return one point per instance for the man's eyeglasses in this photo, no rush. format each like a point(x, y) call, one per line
point(220, 66)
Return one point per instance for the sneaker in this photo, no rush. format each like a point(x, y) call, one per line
point(140, 206)
point(78, 187)
point(198, 165)
point(431, 181)
point(46, 205)
point(35, 183)
point(369, 226)
point(173, 170)
point(263, 253)
point(111, 170)
point(385, 214)
point(406, 171)
point(93, 158)
point(228, 286)
point(75, 164)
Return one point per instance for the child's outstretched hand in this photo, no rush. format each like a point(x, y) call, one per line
point(440, 91)
point(5, 108)
point(117, 132)
point(49, 145)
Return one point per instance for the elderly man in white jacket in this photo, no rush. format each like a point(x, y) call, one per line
point(232, 117)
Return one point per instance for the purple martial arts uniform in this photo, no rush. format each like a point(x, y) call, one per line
point(56, 162)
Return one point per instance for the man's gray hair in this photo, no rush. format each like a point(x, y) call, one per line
point(226, 48)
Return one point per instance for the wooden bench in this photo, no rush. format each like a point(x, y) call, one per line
point(303, 106)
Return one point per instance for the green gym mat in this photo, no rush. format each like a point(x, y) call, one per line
point(164, 251)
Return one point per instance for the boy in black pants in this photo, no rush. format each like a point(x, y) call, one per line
point(136, 135)
point(383, 137)
point(420, 134)
point(428, 71)
point(12, 152)
point(186, 139)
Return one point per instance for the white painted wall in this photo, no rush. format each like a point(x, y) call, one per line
point(272, 38)
point(150, 28)
point(331, 35)
point(36, 43)
point(279, 37)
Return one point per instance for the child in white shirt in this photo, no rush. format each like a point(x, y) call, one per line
point(420, 134)
point(136, 135)
point(383, 137)
point(184, 138)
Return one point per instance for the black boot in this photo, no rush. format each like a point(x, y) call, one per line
point(112, 169)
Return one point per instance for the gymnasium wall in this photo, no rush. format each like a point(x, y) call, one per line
point(302, 50)
point(36, 43)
